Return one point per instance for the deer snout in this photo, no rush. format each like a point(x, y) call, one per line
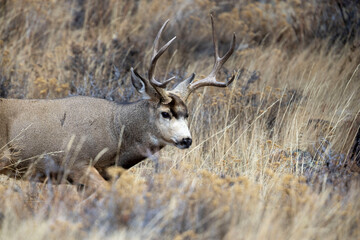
point(185, 143)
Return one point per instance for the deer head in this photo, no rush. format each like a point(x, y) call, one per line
point(168, 106)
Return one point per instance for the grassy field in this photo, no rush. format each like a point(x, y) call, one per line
point(270, 158)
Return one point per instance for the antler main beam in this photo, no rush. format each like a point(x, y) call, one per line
point(185, 88)
point(156, 55)
point(211, 80)
point(156, 85)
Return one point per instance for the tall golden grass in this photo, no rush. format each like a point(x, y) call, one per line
point(270, 153)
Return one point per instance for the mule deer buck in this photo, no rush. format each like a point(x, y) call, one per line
point(41, 134)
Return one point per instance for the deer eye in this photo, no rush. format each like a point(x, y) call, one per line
point(165, 115)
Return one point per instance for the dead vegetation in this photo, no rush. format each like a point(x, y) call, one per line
point(270, 158)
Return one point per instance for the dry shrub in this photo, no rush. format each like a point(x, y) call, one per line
point(270, 153)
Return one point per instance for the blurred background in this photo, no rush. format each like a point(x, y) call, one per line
point(60, 48)
point(275, 155)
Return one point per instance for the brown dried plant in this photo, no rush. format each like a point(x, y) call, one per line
point(271, 156)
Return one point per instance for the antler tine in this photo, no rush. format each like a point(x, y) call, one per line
point(216, 49)
point(211, 80)
point(156, 55)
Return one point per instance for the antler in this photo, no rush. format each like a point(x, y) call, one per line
point(185, 88)
point(156, 55)
point(158, 86)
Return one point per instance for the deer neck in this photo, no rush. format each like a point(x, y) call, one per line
point(134, 127)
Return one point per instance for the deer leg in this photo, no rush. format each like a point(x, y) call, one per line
point(5, 160)
point(90, 177)
point(4, 151)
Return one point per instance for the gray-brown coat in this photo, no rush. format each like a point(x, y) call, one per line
point(80, 137)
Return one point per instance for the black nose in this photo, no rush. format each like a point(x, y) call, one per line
point(186, 142)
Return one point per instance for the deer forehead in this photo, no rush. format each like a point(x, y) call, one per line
point(177, 111)
point(177, 107)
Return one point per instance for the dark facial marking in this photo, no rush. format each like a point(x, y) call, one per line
point(62, 120)
point(177, 107)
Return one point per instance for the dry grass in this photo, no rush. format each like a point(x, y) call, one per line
point(269, 154)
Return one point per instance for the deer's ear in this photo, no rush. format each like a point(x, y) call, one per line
point(140, 84)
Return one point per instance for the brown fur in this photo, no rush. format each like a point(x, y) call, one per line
point(178, 107)
point(43, 129)
point(81, 136)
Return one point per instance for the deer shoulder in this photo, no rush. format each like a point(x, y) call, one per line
point(79, 137)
